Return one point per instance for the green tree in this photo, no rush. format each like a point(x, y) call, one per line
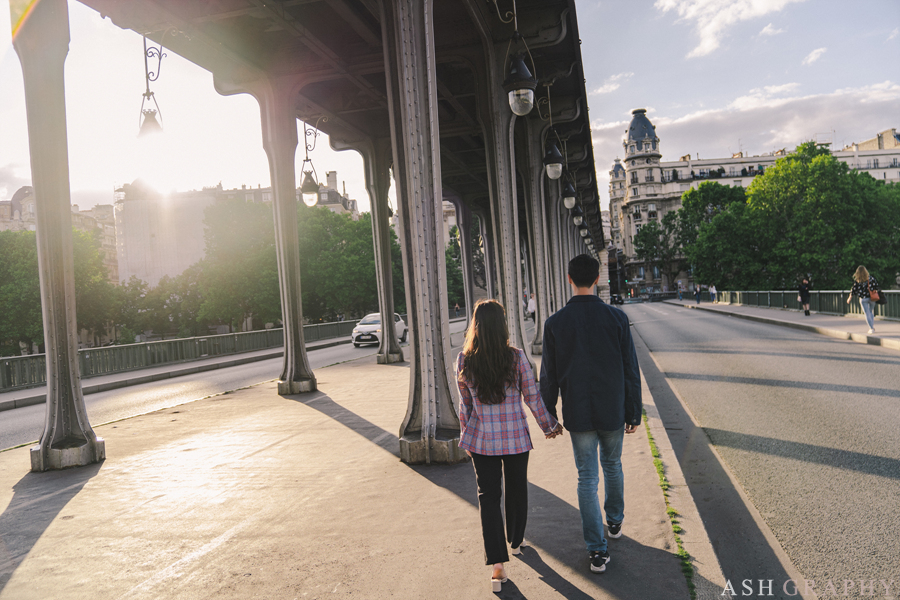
point(240, 275)
point(809, 214)
point(129, 308)
point(656, 244)
point(453, 263)
point(699, 205)
point(20, 293)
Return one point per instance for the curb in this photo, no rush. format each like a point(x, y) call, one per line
point(139, 379)
point(709, 580)
point(834, 333)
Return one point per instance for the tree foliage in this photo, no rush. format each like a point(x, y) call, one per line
point(657, 245)
point(453, 264)
point(808, 215)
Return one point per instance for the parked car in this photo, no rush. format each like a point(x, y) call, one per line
point(616, 299)
point(368, 330)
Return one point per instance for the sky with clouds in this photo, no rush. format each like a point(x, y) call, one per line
point(716, 76)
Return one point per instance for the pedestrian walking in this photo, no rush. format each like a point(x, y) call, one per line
point(863, 286)
point(697, 294)
point(493, 377)
point(803, 295)
point(712, 293)
point(531, 309)
point(680, 291)
point(456, 308)
point(589, 355)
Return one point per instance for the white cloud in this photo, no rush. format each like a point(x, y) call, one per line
point(894, 34)
point(712, 18)
point(762, 120)
point(612, 83)
point(769, 31)
point(814, 56)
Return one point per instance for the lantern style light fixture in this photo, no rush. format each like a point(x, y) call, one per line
point(553, 161)
point(577, 215)
point(569, 195)
point(583, 231)
point(520, 83)
point(148, 123)
point(309, 188)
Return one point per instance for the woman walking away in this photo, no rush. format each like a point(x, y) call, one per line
point(803, 295)
point(493, 377)
point(863, 286)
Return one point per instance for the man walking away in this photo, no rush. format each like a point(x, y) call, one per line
point(588, 353)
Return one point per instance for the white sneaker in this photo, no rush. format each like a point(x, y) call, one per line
point(871, 331)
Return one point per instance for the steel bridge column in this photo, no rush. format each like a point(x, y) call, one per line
point(430, 431)
point(534, 212)
point(377, 163)
point(464, 224)
point(42, 43)
point(279, 132)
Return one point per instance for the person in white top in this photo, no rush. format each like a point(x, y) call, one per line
point(712, 293)
point(532, 307)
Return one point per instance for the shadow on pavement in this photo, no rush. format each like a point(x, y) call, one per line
point(554, 526)
point(740, 545)
point(37, 500)
point(869, 464)
point(803, 385)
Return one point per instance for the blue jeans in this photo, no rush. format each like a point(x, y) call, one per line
point(585, 445)
point(869, 309)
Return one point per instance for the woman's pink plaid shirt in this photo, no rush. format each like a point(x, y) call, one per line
point(496, 429)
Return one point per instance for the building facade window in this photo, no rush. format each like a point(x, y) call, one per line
point(656, 273)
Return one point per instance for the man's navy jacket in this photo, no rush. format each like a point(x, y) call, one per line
point(589, 356)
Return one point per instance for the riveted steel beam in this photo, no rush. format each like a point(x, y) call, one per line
point(376, 156)
point(42, 43)
point(430, 430)
point(277, 102)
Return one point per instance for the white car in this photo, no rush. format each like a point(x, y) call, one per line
point(368, 330)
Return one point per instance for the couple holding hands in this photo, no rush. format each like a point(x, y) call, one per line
point(589, 355)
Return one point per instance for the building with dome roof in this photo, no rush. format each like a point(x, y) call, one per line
point(643, 188)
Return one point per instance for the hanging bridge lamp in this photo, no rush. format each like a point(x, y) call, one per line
point(148, 123)
point(309, 187)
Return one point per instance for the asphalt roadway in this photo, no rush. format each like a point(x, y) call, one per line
point(807, 427)
point(24, 425)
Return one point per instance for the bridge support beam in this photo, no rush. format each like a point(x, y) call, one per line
point(430, 431)
point(377, 163)
point(42, 43)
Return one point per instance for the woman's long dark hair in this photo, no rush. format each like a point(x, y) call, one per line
point(489, 359)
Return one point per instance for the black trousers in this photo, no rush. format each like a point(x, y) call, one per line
point(489, 471)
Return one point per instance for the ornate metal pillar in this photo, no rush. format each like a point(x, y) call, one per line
point(464, 225)
point(430, 430)
point(42, 43)
point(377, 163)
point(487, 246)
point(534, 210)
point(277, 97)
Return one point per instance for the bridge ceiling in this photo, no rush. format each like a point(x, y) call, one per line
point(333, 48)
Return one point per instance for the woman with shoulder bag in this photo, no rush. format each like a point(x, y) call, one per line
point(493, 377)
point(866, 288)
point(803, 296)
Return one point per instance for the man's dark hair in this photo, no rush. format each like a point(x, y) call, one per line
point(584, 270)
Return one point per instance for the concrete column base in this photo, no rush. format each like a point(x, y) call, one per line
point(443, 452)
point(389, 358)
point(289, 388)
point(63, 458)
point(536, 349)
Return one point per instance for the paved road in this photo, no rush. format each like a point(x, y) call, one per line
point(809, 427)
point(24, 425)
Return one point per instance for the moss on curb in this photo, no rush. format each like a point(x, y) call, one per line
point(687, 567)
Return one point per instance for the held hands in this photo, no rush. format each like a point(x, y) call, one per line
point(630, 428)
point(555, 432)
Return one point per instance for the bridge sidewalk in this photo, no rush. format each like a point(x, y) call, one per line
point(253, 495)
point(851, 327)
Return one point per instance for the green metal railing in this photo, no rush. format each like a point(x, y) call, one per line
point(19, 372)
point(831, 302)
